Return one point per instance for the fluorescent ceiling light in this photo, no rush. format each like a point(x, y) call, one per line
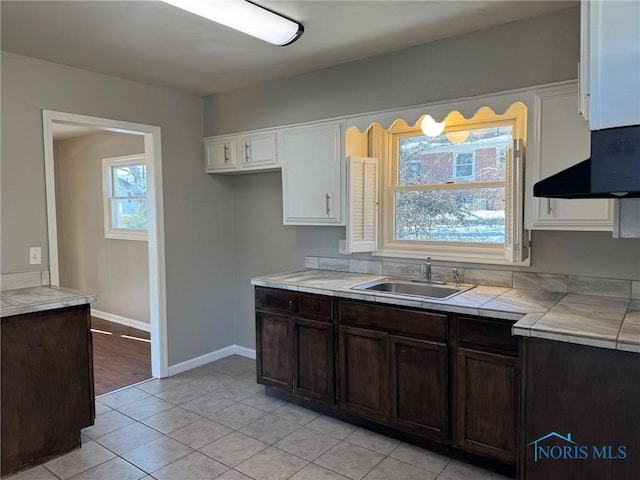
point(245, 17)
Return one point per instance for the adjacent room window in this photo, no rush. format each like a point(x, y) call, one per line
point(125, 197)
point(456, 196)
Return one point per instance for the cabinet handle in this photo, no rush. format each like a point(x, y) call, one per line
point(548, 206)
point(246, 151)
point(291, 304)
point(327, 197)
point(226, 153)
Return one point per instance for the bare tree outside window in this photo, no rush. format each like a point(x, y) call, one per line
point(452, 191)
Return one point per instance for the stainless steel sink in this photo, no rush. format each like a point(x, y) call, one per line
point(406, 287)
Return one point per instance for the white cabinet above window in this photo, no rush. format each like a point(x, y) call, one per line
point(312, 174)
point(242, 153)
point(559, 139)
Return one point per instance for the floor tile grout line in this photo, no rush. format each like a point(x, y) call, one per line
point(240, 401)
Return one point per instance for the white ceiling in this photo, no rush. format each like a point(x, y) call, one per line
point(155, 43)
point(65, 131)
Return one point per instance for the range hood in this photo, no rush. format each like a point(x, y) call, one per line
point(613, 171)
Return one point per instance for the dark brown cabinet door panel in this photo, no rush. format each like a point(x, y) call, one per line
point(419, 389)
point(295, 304)
point(407, 322)
point(490, 334)
point(313, 366)
point(487, 387)
point(364, 373)
point(274, 350)
point(47, 384)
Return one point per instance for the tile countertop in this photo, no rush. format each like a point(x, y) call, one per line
point(38, 299)
point(583, 319)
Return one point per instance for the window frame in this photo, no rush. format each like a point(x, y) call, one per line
point(383, 144)
point(111, 232)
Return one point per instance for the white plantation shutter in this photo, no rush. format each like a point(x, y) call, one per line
point(362, 223)
point(516, 241)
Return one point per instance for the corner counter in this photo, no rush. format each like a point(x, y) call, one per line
point(592, 320)
point(46, 374)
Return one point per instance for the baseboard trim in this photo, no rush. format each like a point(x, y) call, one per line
point(211, 357)
point(129, 322)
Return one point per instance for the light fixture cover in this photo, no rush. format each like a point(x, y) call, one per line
point(245, 17)
point(430, 127)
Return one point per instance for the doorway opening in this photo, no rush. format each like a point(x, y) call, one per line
point(102, 173)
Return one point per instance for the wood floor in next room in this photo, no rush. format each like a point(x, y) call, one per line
point(121, 357)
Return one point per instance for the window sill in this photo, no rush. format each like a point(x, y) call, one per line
point(489, 256)
point(140, 236)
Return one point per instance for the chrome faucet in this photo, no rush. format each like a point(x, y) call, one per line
point(456, 278)
point(427, 269)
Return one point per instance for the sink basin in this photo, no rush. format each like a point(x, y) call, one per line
point(404, 287)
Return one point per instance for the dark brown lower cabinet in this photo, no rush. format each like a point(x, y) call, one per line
point(364, 373)
point(273, 353)
point(419, 386)
point(581, 412)
point(295, 353)
point(313, 362)
point(47, 384)
point(486, 418)
point(448, 378)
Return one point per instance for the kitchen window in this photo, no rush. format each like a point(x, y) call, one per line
point(125, 197)
point(457, 196)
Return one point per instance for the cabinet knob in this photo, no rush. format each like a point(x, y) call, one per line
point(291, 304)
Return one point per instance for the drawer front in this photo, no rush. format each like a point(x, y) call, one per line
point(395, 320)
point(294, 304)
point(492, 334)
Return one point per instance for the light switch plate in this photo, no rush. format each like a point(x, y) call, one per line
point(342, 247)
point(35, 255)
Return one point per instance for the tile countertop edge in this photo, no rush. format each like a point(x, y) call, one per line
point(524, 323)
point(65, 297)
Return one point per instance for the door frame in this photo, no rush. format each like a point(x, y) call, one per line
point(157, 270)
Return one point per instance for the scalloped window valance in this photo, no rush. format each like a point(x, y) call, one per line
point(439, 111)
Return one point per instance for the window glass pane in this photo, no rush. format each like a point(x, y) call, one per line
point(129, 181)
point(474, 155)
point(455, 215)
point(130, 214)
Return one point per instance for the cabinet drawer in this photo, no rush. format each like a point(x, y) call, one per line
point(294, 304)
point(493, 334)
point(394, 320)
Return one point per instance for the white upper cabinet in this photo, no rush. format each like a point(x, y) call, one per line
point(259, 149)
point(610, 63)
point(221, 154)
point(312, 174)
point(559, 138)
point(242, 153)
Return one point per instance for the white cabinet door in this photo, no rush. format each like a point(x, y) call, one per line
point(560, 138)
point(259, 149)
point(221, 154)
point(312, 174)
point(610, 63)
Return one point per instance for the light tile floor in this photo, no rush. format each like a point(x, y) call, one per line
point(216, 422)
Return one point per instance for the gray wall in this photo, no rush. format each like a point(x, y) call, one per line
point(536, 51)
point(114, 269)
point(197, 207)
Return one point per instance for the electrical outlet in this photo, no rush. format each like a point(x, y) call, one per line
point(342, 247)
point(35, 255)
